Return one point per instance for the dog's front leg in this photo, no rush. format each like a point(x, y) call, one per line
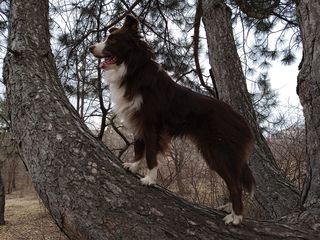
point(139, 148)
point(151, 149)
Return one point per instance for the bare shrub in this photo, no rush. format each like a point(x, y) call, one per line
point(184, 171)
point(288, 145)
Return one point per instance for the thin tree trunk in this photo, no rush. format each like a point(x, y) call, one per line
point(12, 166)
point(309, 93)
point(2, 199)
point(103, 109)
point(275, 194)
point(88, 193)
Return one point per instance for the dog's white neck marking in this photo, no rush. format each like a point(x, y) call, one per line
point(115, 73)
point(122, 106)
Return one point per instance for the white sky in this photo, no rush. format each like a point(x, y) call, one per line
point(284, 81)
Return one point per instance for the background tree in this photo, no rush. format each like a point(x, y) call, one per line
point(2, 201)
point(4, 121)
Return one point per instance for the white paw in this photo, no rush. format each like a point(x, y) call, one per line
point(148, 181)
point(132, 166)
point(233, 218)
point(151, 177)
point(226, 207)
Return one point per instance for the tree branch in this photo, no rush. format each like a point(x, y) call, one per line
point(253, 10)
point(197, 21)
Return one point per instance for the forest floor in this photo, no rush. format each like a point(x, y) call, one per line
point(27, 219)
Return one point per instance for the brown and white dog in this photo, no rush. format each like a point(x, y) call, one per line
point(155, 109)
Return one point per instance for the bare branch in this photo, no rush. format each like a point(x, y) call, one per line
point(197, 21)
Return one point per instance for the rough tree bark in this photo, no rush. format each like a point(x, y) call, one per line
point(308, 90)
point(275, 194)
point(88, 193)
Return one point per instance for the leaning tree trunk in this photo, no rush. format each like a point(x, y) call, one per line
point(274, 193)
point(308, 90)
point(88, 193)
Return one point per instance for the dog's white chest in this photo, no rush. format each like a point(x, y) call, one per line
point(124, 108)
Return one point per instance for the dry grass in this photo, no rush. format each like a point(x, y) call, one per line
point(27, 219)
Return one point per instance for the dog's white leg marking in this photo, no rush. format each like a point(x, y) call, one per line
point(226, 207)
point(233, 218)
point(151, 177)
point(132, 166)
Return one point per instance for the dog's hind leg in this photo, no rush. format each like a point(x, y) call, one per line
point(220, 161)
point(233, 182)
point(235, 217)
point(139, 148)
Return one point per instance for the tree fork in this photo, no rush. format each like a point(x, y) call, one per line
point(88, 193)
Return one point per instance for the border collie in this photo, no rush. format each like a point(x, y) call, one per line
point(156, 109)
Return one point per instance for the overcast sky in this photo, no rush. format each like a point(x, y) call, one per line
point(284, 81)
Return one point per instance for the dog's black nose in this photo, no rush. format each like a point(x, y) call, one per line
point(91, 48)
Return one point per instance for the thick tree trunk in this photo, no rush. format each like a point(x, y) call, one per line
point(309, 93)
point(274, 193)
point(88, 193)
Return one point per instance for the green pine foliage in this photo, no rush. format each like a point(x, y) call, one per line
point(261, 42)
point(265, 100)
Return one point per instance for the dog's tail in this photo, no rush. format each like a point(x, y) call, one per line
point(247, 180)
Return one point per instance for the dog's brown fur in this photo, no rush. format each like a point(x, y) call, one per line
point(170, 110)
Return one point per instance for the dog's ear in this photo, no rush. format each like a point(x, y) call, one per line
point(131, 24)
point(113, 29)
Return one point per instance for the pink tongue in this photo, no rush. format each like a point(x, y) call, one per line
point(103, 65)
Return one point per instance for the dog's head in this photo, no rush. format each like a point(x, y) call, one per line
point(122, 45)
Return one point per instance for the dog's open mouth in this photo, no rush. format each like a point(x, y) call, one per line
point(108, 60)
